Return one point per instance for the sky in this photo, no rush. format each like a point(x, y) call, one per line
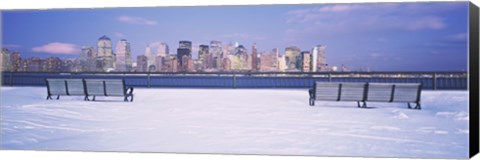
point(423, 36)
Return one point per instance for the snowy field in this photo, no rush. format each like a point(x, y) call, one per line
point(235, 121)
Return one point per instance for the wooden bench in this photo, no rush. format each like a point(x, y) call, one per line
point(107, 87)
point(66, 87)
point(363, 92)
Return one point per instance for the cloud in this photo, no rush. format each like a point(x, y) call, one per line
point(57, 48)
point(340, 8)
point(459, 37)
point(136, 20)
point(384, 16)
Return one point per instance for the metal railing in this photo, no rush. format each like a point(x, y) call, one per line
point(430, 80)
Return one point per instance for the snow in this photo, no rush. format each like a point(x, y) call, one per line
point(235, 121)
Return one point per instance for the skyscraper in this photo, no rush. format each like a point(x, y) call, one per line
point(254, 57)
point(162, 59)
point(184, 49)
point(150, 56)
point(204, 56)
point(318, 61)
point(291, 55)
point(123, 56)
point(142, 63)
point(105, 54)
point(306, 61)
point(163, 50)
point(217, 54)
point(5, 60)
point(16, 62)
point(88, 59)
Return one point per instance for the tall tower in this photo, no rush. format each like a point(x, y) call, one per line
point(162, 50)
point(162, 57)
point(5, 60)
point(105, 54)
point(123, 56)
point(150, 56)
point(217, 54)
point(254, 57)
point(306, 61)
point(184, 49)
point(17, 62)
point(88, 59)
point(291, 55)
point(204, 56)
point(319, 62)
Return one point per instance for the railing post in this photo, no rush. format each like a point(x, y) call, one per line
point(234, 81)
point(148, 80)
point(11, 78)
point(434, 81)
point(329, 77)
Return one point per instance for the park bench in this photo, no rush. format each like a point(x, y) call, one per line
point(65, 87)
point(107, 87)
point(366, 92)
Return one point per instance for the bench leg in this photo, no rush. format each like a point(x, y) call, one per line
point(311, 102)
point(93, 98)
point(86, 98)
point(364, 104)
point(125, 99)
point(131, 98)
point(417, 106)
point(49, 97)
point(58, 97)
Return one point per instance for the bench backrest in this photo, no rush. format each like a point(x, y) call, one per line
point(334, 91)
point(56, 86)
point(407, 92)
point(105, 87)
point(75, 87)
point(381, 92)
point(399, 92)
point(352, 91)
point(327, 91)
point(94, 87)
point(115, 87)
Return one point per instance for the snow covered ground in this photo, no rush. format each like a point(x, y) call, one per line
point(235, 121)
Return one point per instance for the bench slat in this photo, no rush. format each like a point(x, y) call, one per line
point(75, 87)
point(94, 87)
point(57, 86)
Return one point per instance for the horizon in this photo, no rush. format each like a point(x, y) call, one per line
point(385, 36)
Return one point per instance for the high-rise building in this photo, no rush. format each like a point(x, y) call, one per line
point(254, 57)
point(123, 56)
point(5, 60)
point(291, 55)
point(184, 49)
point(88, 59)
point(173, 64)
point(142, 63)
point(269, 61)
point(322, 61)
point(163, 50)
point(306, 61)
point(217, 53)
point(282, 63)
point(318, 61)
point(150, 57)
point(204, 56)
point(227, 64)
point(105, 55)
point(16, 62)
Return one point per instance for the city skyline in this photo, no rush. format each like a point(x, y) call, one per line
point(397, 36)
